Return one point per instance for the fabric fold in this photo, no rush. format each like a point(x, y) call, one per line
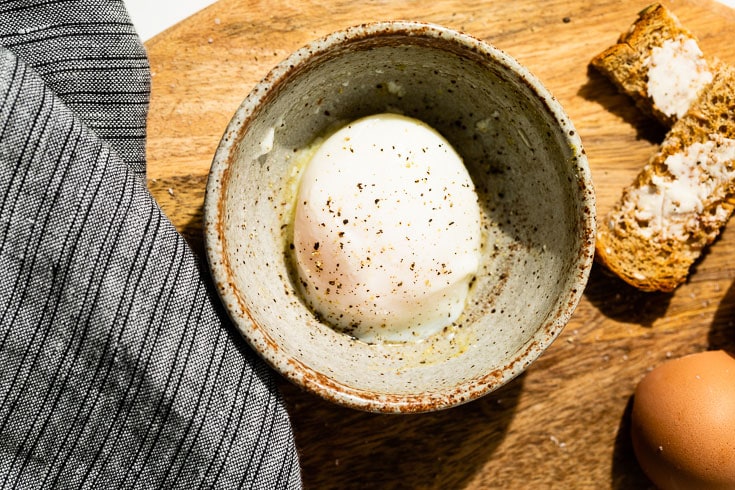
point(118, 366)
point(89, 54)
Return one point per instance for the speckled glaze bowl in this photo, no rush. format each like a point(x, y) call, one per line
point(530, 172)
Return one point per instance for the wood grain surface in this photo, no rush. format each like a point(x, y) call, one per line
point(562, 424)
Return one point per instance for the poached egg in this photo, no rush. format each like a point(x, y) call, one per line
point(386, 230)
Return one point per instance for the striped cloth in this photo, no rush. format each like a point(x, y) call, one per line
point(118, 368)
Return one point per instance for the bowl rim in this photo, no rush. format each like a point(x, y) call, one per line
point(257, 337)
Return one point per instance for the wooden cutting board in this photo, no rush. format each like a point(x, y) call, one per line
point(564, 423)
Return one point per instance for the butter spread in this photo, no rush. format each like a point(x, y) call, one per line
point(671, 205)
point(677, 71)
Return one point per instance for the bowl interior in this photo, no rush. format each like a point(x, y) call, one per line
point(527, 165)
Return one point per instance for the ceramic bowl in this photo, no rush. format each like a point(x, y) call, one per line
point(525, 159)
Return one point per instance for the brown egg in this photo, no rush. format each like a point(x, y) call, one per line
point(683, 422)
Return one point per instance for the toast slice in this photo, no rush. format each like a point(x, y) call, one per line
point(658, 63)
point(681, 199)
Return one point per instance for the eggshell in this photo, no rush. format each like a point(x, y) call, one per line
point(683, 422)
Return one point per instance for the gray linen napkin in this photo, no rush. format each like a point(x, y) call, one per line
point(118, 368)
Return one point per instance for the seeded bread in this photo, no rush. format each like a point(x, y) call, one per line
point(658, 63)
point(681, 199)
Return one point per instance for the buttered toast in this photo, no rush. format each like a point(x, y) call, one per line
point(658, 63)
point(685, 194)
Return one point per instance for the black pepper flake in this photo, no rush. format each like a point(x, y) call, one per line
point(567, 20)
point(316, 245)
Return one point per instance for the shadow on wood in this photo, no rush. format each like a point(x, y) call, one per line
point(600, 90)
point(436, 450)
point(722, 330)
point(622, 302)
point(175, 196)
point(626, 472)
